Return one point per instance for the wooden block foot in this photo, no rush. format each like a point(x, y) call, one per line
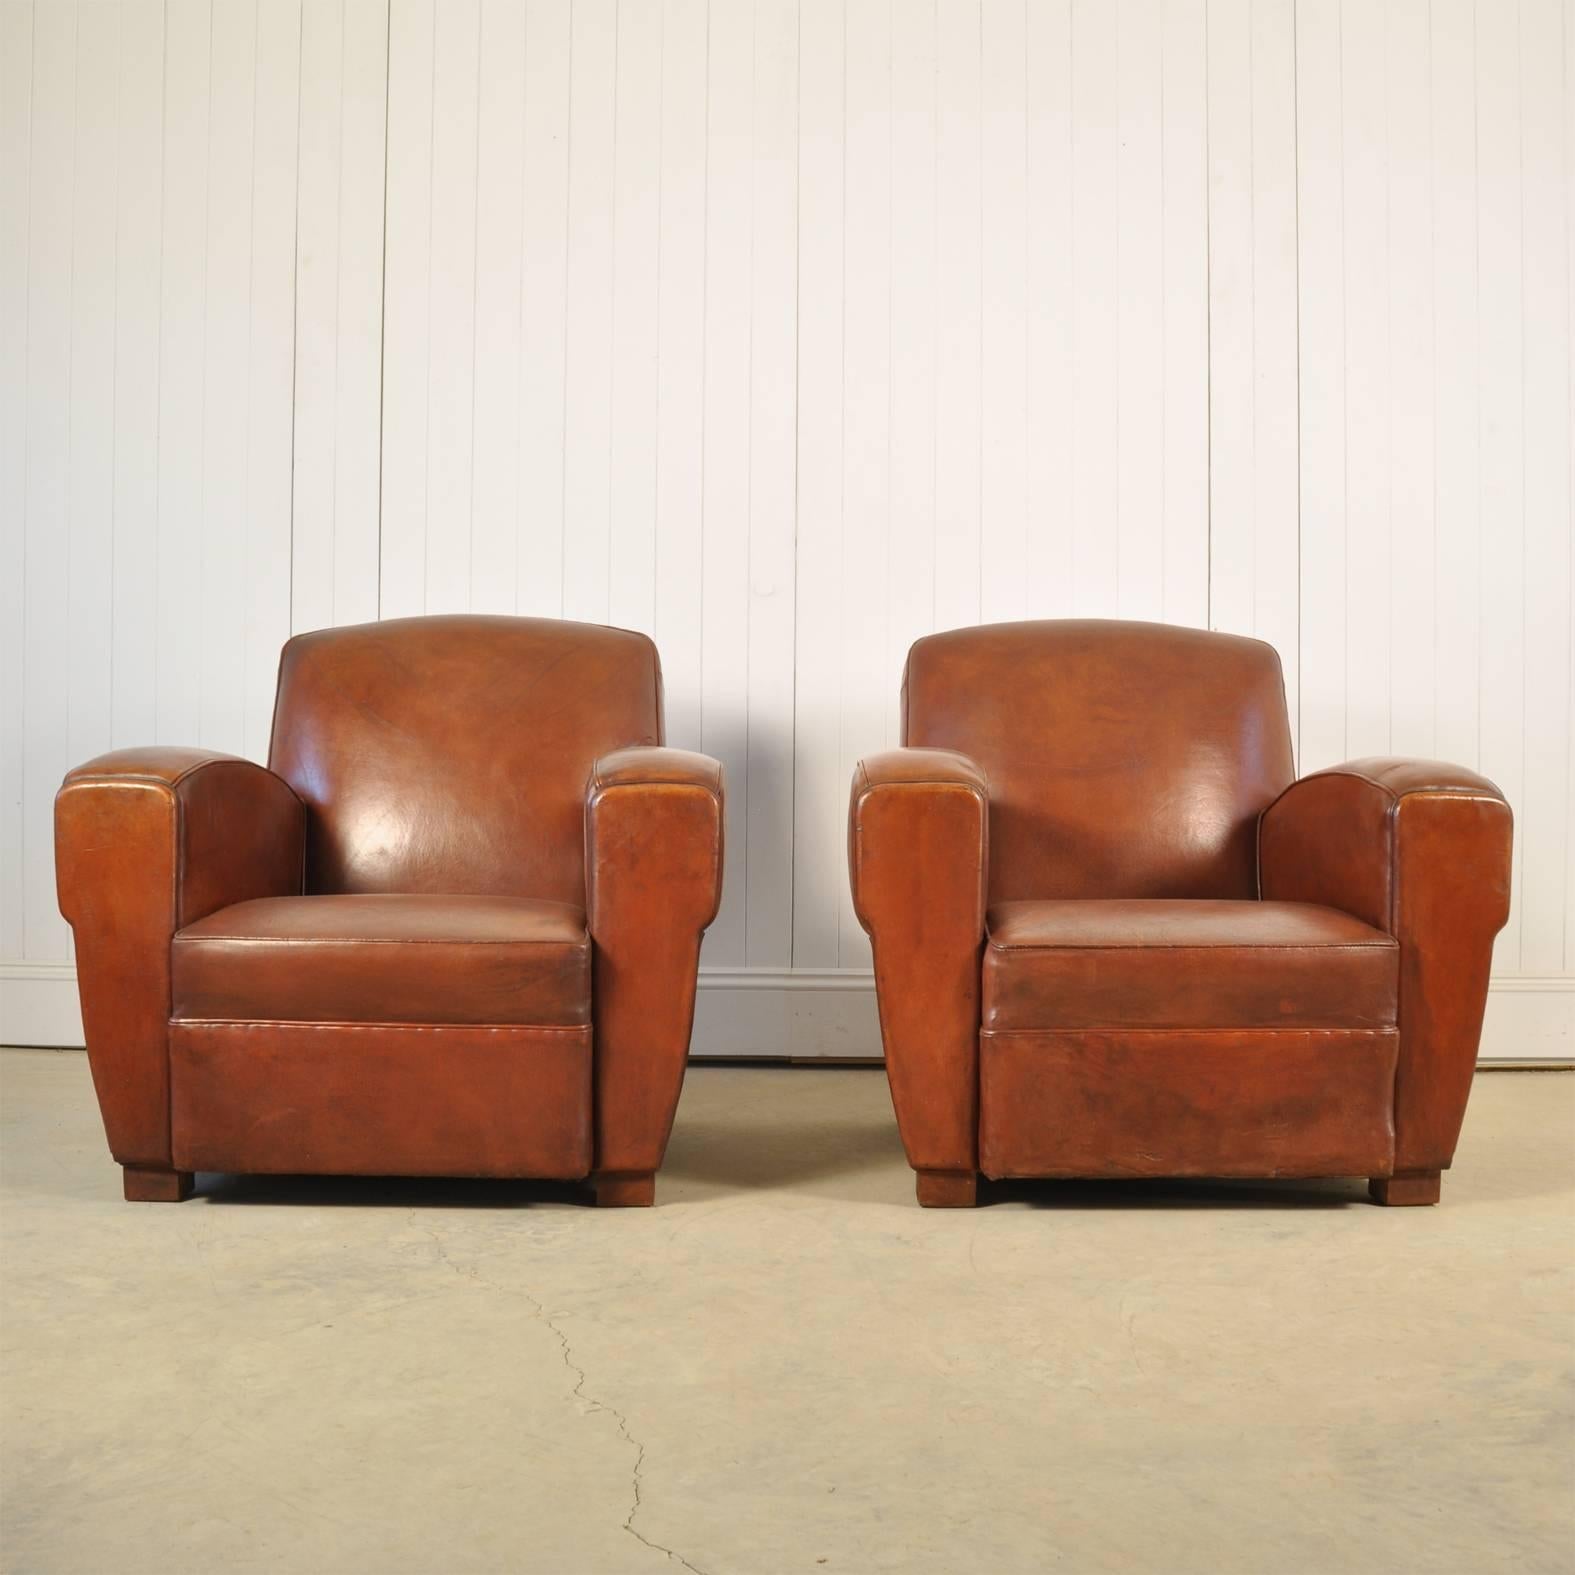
point(636, 1191)
point(1410, 1188)
point(947, 1189)
point(150, 1184)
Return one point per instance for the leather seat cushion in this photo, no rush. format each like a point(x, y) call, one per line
point(1158, 963)
point(385, 958)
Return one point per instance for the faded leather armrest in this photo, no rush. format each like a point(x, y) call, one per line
point(918, 857)
point(653, 882)
point(146, 841)
point(1421, 850)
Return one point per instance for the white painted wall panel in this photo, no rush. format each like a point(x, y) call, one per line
point(819, 792)
point(768, 809)
point(789, 331)
point(636, 316)
point(16, 106)
point(500, 219)
point(138, 268)
point(1546, 309)
point(265, 588)
point(46, 466)
point(1095, 368)
point(89, 534)
point(1050, 395)
point(587, 436)
point(336, 217)
point(407, 309)
point(680, 363)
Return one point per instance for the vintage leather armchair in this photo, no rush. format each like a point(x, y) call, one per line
point(453, 929)
point(1113, 937)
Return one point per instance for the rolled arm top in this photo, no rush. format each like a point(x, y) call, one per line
point(164, 765)
point(655, 765)
point(1400, 777)
point(921, 768)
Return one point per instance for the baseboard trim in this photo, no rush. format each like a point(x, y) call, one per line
point(819, 1014)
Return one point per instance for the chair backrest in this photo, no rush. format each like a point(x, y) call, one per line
point(1124, 759)
point(451, 754)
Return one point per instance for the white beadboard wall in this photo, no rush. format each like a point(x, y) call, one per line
point(788, 331)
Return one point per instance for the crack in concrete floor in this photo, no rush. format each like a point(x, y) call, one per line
point(591, 1404)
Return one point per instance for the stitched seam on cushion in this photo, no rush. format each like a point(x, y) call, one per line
point(141, 778)
point(317, 1025)
point(1384, 943)
point(1150, 1028)
point(599, 789)
point(1434, 789)
point(935, 782)
point(182, 938)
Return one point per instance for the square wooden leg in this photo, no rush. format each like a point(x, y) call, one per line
point(947, 1189)
point(636, 1191)
point(1410, 1188)
point(151, 1184)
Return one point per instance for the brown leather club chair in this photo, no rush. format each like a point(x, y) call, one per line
point(452, 930)
point(1113, 937)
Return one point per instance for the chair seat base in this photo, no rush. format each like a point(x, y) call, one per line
point(357, 1099)
point(1125, 1103)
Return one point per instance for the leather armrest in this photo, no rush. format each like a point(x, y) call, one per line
point(1421, 850)
point(146, 841)
point(655, 765)
point(918, 856)
point(653, 882)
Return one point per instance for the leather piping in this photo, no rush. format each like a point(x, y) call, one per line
point(295, 1024)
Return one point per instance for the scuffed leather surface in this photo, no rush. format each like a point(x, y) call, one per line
point(1186, 1102)
point(1147, 963)
point(1128, 764)
point(478, 799)
point(351, 1099)
point(148, 840)
point(653, 848)
point(1124, 759)
point(1420, 849)
point(919, 855)
point(383, 958)
point(450, 754)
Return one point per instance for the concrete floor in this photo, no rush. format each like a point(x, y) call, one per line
point(786, 1365)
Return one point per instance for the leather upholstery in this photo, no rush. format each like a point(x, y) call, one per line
point(1194, 966)
point(1140, 963)
point(1420, 849)
point(362, 1100)
point(450, 754)
point(1188, 1102)
point(453, 929)
point(386, 958)
point(1124, 759)
point(653, 853)
point(146, 841)
point(919, 856)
